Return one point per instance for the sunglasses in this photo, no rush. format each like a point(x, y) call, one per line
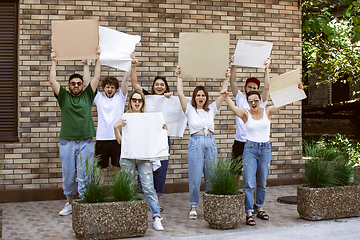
point(139, 100)
point(76, 83)
point(253, 101)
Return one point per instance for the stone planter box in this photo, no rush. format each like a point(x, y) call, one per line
point(328, 203)
point(223, 211)
point(110, 219)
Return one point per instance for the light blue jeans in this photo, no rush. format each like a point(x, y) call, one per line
point(145, 171)
point(256, 165)
point(202, 154)
point(73, 154)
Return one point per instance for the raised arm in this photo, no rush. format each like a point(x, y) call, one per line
point(52, 78)
point(95, 80)
point(265, 92)
point(272, 110)
point(241, 113)
point(234, 88)
point(134, 81)
point(86, 73)
point(221, 98)
point(180, 90)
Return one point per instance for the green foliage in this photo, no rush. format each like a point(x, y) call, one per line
point(123, 186)
point(95, 191)
point(223, 177)
point(331, 46)
point(327, 166)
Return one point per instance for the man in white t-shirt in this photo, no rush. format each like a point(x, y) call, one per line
point(110, 107)
point(251, 84)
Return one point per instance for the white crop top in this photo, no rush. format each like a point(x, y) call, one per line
point(258, 130)
point(199, 119)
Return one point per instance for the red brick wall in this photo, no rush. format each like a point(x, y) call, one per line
point(34, 161)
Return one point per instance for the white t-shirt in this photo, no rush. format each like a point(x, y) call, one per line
point(199, 119)
point(109, 112)
point(258, 130)
point(241, 102)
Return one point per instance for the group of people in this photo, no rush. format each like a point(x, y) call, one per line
point(252, 140)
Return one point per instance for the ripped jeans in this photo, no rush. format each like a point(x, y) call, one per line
point(145, 171)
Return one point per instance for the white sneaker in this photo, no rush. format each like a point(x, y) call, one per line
point(157, 224)
point(67, 210)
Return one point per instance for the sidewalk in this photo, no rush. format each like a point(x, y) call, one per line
point(40, 220)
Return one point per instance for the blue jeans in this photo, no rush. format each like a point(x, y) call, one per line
point(144, 168)
point(73, 155)
point(256, 165)
point(202, 154)
point(160, 175)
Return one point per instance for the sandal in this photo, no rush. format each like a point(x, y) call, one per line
point(262, 215)
point(192, 214)
point(250, 221)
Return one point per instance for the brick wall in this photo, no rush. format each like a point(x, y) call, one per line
point(34, 163)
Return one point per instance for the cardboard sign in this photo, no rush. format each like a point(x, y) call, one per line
point(252, 53)
point(75, 39)
point(203, 55)
point(284, 88)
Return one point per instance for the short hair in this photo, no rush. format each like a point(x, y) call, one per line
point(76, 75)
point(143, 109)
point(111, 81)
point(252, 93)
point(193, 102)
point(166, 84)
point(254, 80)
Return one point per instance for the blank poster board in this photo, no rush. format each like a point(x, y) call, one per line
point(251, 53)
point(284, 88)
point(203, 55)
point(75, 39)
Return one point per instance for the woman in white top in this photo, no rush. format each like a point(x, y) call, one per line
point(144, 167)
point(257, 152)
point(202, 149)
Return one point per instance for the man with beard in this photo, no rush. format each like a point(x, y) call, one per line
point(110, 107)
point(77, 129)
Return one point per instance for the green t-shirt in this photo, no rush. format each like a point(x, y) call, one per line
point(76, 114)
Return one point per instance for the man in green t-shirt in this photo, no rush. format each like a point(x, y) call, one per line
point(77, 129)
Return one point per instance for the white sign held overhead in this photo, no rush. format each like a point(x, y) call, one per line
point(116, 48)
point(284, 88)
point(251, 53)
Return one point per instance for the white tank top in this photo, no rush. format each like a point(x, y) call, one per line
point(258, 130)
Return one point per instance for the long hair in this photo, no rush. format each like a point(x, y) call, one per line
point(166, 84)
point(111, 81)
point(193, 102)
point(142, 109)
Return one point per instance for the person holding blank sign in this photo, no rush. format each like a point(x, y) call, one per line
point(257, 151)
point(202, 149)
point(77, 129)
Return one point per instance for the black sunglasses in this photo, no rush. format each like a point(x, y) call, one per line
point(255, 101)
point(139, 100)
point(76, 83)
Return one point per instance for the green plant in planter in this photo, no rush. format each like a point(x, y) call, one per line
point(123, 187)
point(223, 177)
point(327, 167)
point(95, 191)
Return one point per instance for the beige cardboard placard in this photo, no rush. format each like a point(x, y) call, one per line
point(204, 55)
point(284, 88)
point(75, 39)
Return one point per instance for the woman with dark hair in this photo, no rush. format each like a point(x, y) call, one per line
point(257, 152)
point(159, 87)
point(202, 149)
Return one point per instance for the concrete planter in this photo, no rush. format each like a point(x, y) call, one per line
point(328, 203)
point(110, 220)
point(223, 211)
